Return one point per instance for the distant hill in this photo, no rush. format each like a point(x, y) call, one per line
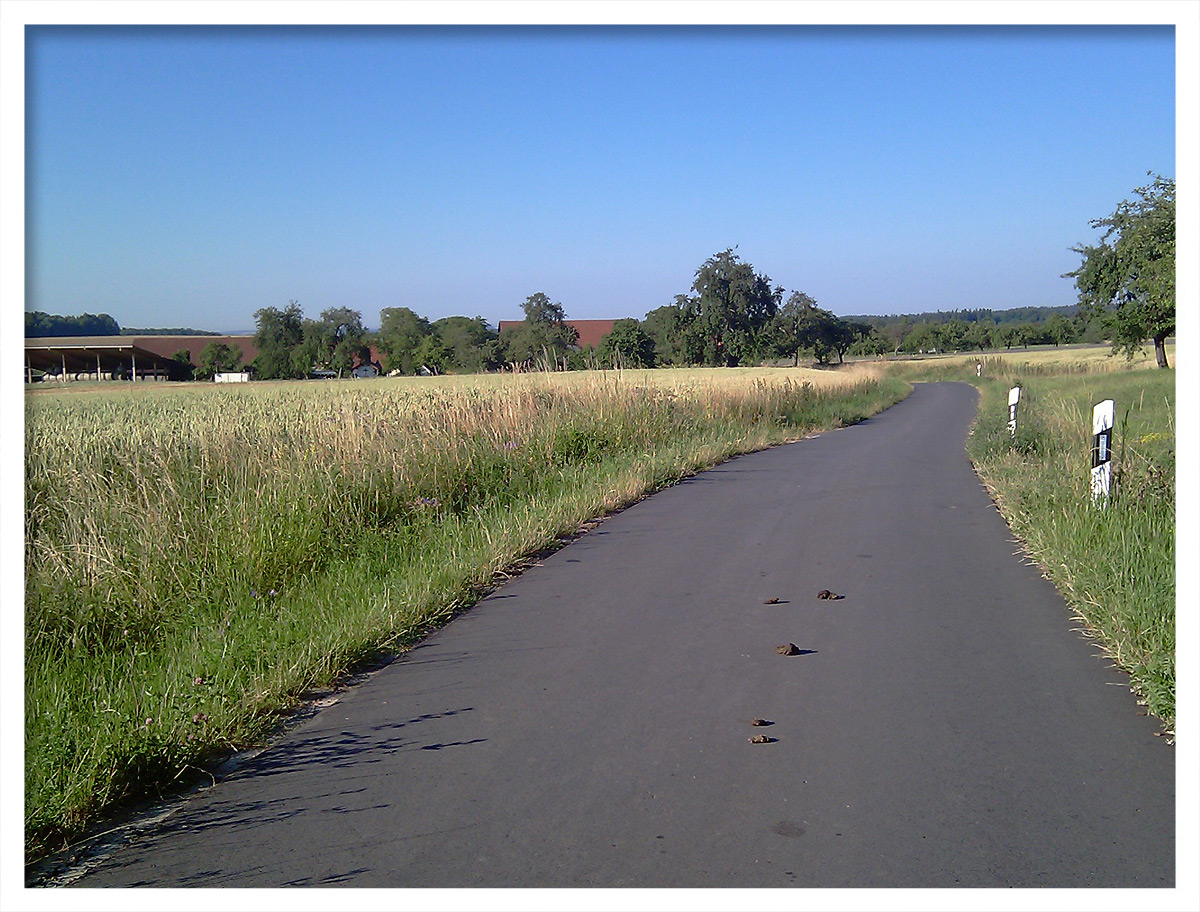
point(982, 315)
point(39, 325)
point(169, 332)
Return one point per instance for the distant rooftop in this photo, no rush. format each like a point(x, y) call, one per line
point(591, 332)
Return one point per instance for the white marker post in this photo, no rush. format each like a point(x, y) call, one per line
point(1014, 396)
point(1102, 424)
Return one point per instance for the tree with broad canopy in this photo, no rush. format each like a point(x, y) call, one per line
point(277, 335)
point(1129, 276)
point(730, 306)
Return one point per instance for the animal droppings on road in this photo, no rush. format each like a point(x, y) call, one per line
point(760, 722)
point(773, 600)
point(826, 594)
point(788, 649)
point(760, 739)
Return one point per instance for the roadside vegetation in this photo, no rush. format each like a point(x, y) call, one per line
point(1114, 564)
point(198, 558)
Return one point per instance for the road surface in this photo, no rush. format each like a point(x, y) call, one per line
point(588, 724)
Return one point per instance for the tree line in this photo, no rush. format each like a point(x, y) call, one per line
point(731, 316)
point(39, 325)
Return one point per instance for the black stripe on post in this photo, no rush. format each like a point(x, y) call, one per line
point(1102, 448)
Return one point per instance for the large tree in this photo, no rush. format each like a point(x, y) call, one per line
point(1060, 330)
point(186, 369)
point(627, 345)
point(472, 343)
point(665, 325)
point(1130, 274)
point(921, 338)
point(401, 332)
point(543, 336)
point(277, 334)
point(728, 310)
point(538, 308)
point(790, 327)
point(344, 338)
point(830, 335)
point(334, 342)
point(952, 335)
point(800, 325)
point(979, 335)
point(433, 354)
point(216, 357)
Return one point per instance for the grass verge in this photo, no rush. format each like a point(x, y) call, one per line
point(1115, 563)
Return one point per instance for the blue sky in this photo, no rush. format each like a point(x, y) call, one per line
point(187, 176)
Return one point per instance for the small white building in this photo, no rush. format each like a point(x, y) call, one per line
point(231, 377)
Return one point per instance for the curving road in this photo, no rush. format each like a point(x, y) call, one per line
point(588, 724)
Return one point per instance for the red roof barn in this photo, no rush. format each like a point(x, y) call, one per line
point(591, 332)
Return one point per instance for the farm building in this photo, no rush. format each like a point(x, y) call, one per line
point(105, 358)
point(167, 346)
point(127, 357)
point(591, 332)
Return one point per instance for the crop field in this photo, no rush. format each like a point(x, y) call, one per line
point(199, 557)
point(1046, 359)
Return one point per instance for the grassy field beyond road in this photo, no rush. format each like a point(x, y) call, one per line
point(197, 557)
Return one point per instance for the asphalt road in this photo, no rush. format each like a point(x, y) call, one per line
point(588, 724)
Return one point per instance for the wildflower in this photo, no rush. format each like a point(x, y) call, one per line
point(149, 721)
point(272, 593)
point(199, 680)
point(198, 718)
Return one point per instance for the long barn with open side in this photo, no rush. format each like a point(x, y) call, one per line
point(121, 357)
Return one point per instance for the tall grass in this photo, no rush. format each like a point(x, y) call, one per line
point(198, 558)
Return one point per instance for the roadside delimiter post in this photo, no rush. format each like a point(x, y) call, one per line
point(1102, 423)
point(1014, 396)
